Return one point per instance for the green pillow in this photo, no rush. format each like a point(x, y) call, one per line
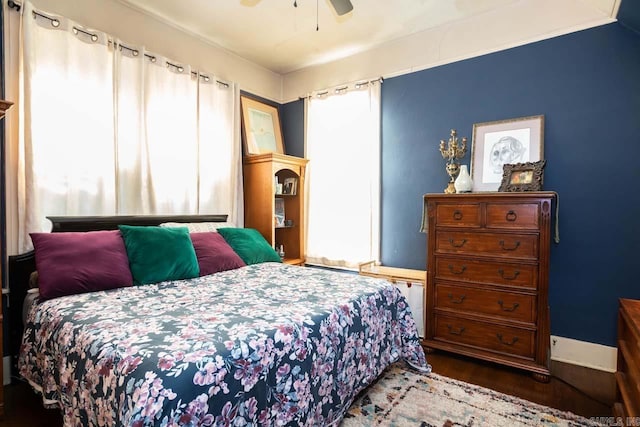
point(249, 244)
point(157, 254)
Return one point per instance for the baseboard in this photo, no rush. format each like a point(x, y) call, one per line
point(586, 366)
point(597, 384)
point(6, 370)
point(581, 353)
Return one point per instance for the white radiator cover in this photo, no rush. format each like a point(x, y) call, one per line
point(415, 296)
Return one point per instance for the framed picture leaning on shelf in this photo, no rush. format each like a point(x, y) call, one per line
point(261, 132)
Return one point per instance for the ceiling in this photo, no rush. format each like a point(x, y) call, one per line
point(283, 38)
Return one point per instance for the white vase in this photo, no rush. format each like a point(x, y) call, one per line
point(463, 183)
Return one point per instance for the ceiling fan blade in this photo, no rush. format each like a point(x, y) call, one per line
point(342, 7)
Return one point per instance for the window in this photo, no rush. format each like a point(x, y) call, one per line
point(109, 128)
point(343, 148)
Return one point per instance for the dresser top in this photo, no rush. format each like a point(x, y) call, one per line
point(493, 194)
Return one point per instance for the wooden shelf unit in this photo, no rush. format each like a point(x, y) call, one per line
point(488, 263)
point(259, 202)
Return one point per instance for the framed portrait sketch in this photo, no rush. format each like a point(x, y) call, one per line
point(261, 132)
point(503, 142)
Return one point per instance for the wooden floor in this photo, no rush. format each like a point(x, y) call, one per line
point(23, 407)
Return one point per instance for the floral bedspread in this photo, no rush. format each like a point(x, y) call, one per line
point(267, 344)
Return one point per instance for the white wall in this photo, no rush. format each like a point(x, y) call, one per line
point(517, 24)
point(520, 23)
point(132, 26)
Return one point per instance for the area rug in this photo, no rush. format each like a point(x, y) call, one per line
point(404, 397)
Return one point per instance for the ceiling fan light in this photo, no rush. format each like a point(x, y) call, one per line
point(342, 7)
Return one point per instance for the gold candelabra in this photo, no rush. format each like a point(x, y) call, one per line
point(451, 152)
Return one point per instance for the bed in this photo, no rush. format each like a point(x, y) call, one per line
point(263, 344)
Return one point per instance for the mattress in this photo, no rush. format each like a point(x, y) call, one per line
point(266, 344)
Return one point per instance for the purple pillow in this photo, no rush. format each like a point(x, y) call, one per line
point(74, 263)
point(214, 253)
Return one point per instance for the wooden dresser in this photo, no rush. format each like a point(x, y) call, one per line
point(488, 263)
point(627, 406)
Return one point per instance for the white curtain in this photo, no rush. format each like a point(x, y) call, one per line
point(107, 128)
point(343, 148)
point(68, 134)
point(220, 164)
point(157, 112)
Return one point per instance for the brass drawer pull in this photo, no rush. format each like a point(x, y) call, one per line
point(457, 301)
point(457, 245)
point(515, 275)
point(515, 305)
point(513, 341)
point(457, 215)
point(455, 332)
point(464, 267)
point(511, 216)
point(516, 246)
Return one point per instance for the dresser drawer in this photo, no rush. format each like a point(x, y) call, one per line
point(458, 215)
point(511, 306)
point(521, 246)
point(513, 215)
point(488, 336)
point(498, 273)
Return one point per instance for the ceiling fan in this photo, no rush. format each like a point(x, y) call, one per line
point(342, 7)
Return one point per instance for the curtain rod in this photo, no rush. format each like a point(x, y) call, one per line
point(14, 5)
point(343, 88)
point(180, 68)
point(94, 37)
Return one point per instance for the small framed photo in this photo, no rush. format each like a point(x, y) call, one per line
point(502, 142)
point(290, 186)
point(261, 132)
point(278, 217)
point(522, 177)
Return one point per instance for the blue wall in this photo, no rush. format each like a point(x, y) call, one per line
point(587, 84)
point(629, 14)
point(292, 121)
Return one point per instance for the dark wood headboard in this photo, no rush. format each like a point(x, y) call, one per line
point(21, 266)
